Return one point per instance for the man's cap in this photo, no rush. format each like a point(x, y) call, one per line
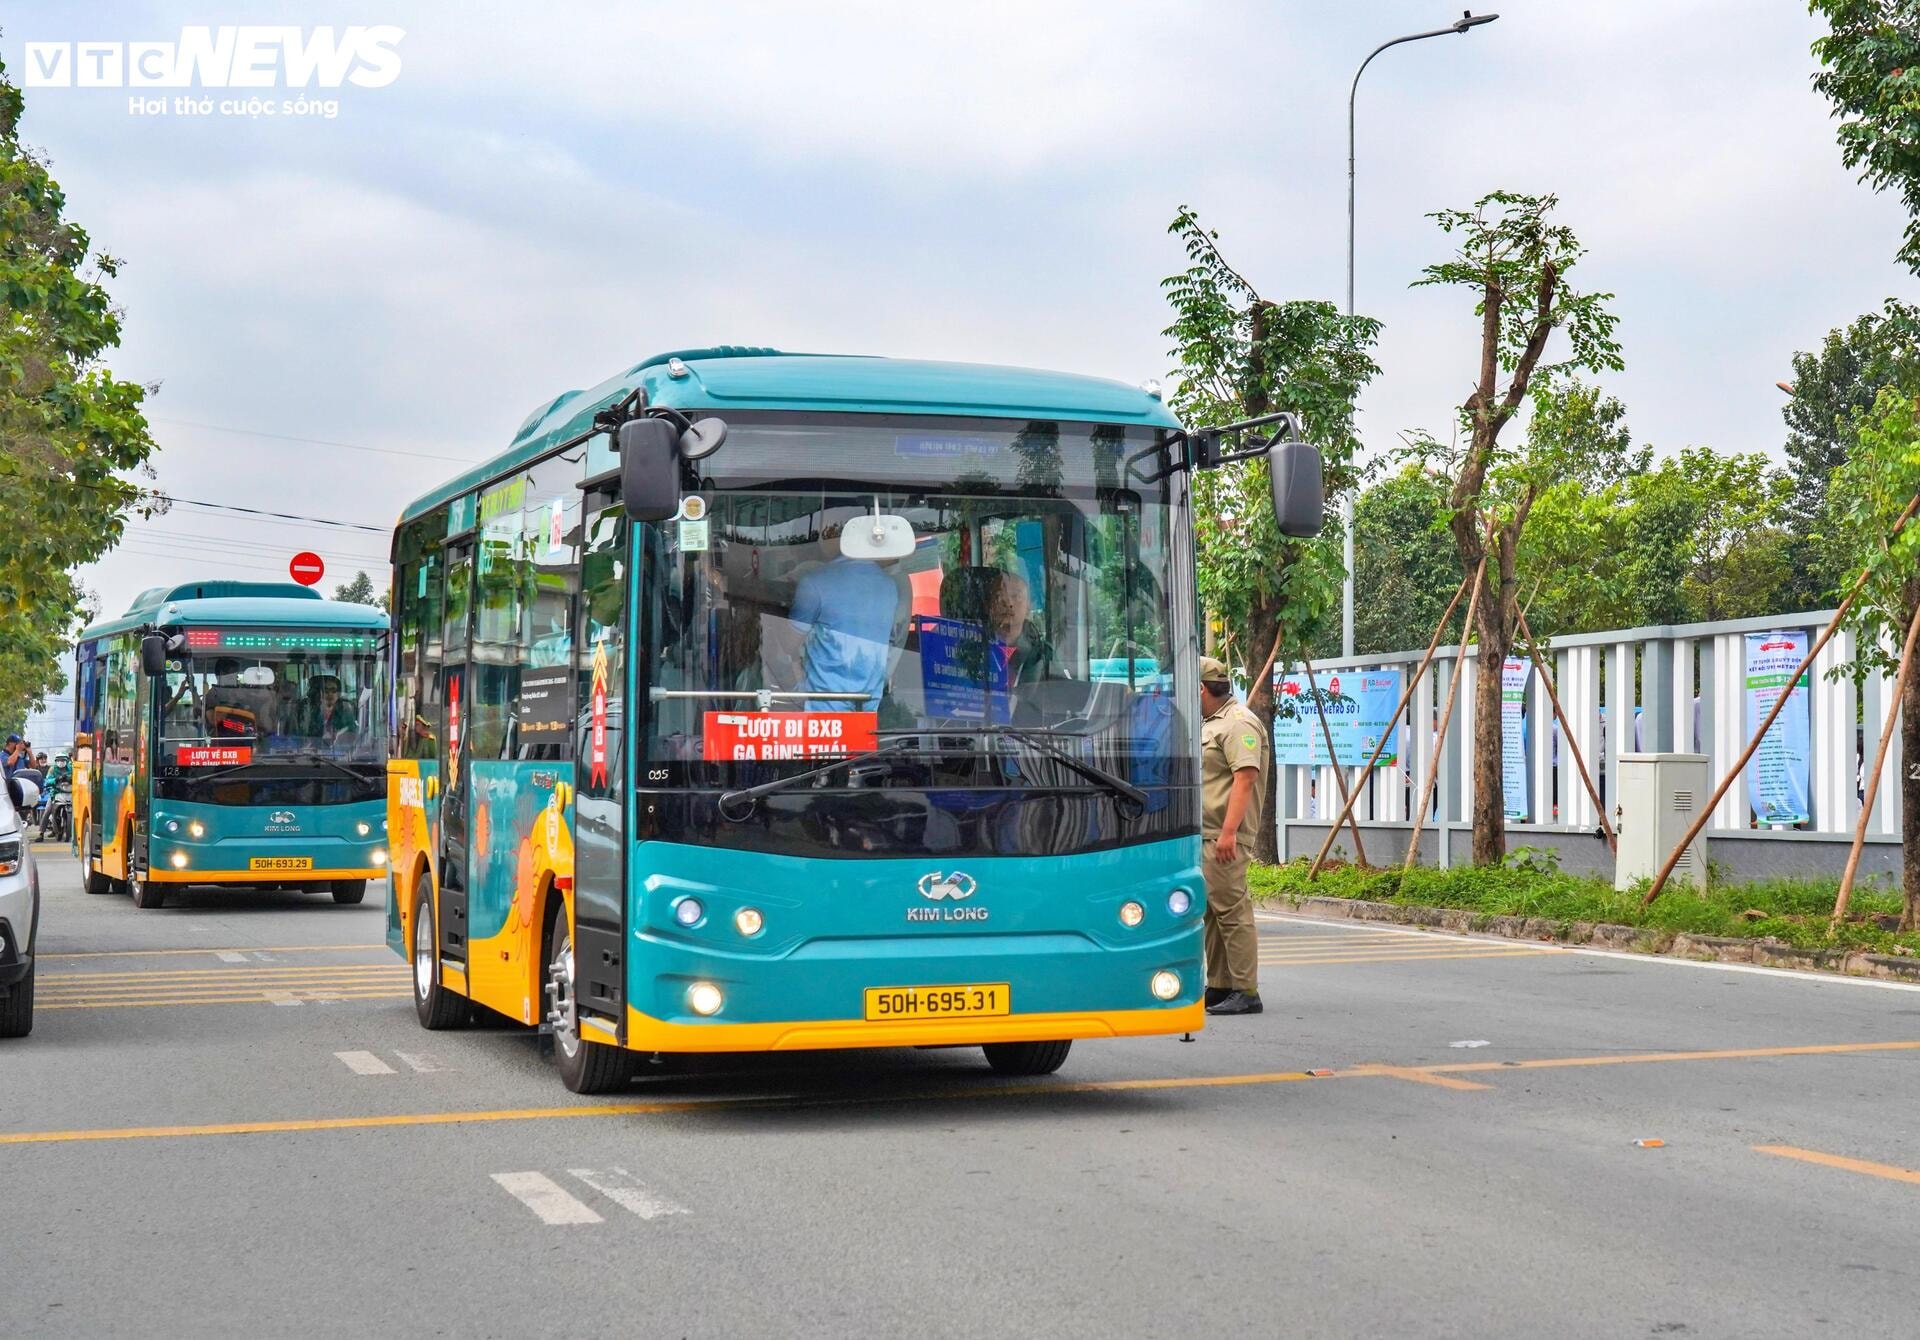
point(1213, 672)
point(14, 739)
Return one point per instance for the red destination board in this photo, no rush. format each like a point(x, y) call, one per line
point(213, 755)
point(760, 737)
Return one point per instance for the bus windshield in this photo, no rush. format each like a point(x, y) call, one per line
point(1041, 595)
point(237, 703)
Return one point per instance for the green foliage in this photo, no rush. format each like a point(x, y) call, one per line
point(1871, 75)
point(1529, 883)
point(1404, 567)
point(1236, 355)
point(66, 424)
point(361, 591)
point(1867, 496)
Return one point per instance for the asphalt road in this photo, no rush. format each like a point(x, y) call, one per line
point(1464, 1165)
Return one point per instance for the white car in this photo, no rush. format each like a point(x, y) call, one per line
point(19, 910)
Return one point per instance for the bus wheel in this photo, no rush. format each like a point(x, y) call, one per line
point(146, 894)
point(92, 879)
point(437, 1007)
point(585, 1067)
point(349, 890)
point(16, 1010)
point(1026, 1058)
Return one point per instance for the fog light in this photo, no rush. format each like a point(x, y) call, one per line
point(1179, 902)
point(197, 829)
point(178, 860)
point(748, 921)
point(363, 828)
point(704, 998)
point(379, 856)
point(173, 825)
point(1132, 914)
point(1165, 985)
point(688, 912)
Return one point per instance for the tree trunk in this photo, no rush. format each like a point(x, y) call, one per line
point(1489, 800)
point(1263, 621)
point(1910, 803)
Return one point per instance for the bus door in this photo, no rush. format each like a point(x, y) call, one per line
point(600, 793)
point(140, 781)
point(455, 812)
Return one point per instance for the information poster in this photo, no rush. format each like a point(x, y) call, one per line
point(1358, 706)
point(1514, 675)
point(1777, 777)
point(964, 676)
point(546, 705)
point(760, 737)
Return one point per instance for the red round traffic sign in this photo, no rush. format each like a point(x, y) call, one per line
point(307, 568)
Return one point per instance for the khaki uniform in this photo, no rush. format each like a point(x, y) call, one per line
point(1230, 740)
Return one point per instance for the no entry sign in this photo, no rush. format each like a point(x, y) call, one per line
point(307, 568)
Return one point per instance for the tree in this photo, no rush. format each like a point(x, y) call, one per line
point(1871, 75)
point(67, 425)
point(1515, 261)
point(1869, 493)
point(1238, 355)
point(1404, 568)
point(1832, 387)
point(359, 591)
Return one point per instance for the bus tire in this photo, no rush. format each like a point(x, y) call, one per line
point(146, 894)
point(349, 890)
point(92, 880)
point(1026, 1058)
point(437, 1007)
point(16, 1011)
point(585, 1067)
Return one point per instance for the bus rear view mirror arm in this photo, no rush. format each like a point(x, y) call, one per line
point(1293, 467)
point(155, 648)
point(649, 469)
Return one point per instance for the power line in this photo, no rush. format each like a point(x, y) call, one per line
point(161, 494)
point(311, 441)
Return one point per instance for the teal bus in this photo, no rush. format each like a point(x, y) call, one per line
point(232, 733)
point(764, 702)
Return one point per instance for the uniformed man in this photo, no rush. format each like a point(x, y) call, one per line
point(1233, 791)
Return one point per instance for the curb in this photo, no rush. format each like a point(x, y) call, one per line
point(1632, 939)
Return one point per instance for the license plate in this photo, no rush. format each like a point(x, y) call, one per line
point(280, 863)
point(886, 1003)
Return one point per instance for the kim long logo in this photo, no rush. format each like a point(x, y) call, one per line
point(939, 887)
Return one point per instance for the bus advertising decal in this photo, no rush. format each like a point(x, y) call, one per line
point(544, 708)
point(597, 743)
point(212, 756)
point(760, 737)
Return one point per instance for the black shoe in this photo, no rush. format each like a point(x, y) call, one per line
point(1216, 994)
point(1236, 1002)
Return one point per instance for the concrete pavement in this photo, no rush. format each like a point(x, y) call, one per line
point(286, 1152)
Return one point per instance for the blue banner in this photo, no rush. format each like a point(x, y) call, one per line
point(1358, 706)
point(1777, 776)
point(963, 675)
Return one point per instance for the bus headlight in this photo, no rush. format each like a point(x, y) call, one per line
point(704, 999)
point(173, 825)
point(689, 912)
point(748, 921)
point(178, 860)
point(1165, 985)
point(1132, 914)
point(197, 829)
point(1179, 902)
point(363, 828)
point(379, 856)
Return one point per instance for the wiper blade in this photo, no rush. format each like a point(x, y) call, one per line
point(732, 800)
point(1093, 772)
point(313, 756)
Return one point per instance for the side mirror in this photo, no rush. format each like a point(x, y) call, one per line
point(649, 469)
point(25, 794)
point(1299, 498)
point(153, 654)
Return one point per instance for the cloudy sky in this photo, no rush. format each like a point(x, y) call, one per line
point(343, 311)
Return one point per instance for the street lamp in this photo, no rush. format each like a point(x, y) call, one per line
point(1462, 24)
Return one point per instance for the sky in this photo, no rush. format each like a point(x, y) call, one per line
point(342, 311)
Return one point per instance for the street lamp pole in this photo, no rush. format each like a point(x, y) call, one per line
point(1466, 21)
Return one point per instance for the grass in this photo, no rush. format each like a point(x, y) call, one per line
point(1796, 911)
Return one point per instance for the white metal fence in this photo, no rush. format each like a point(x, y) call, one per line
point(1681, 686)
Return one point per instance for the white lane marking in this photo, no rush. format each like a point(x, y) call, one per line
point(1471, 1042)
point(364, 1063)
point(624, 1190)
point(1650, 960)
point(229, 956)
point(421, 1062)
point(546, 1198)
point(281, 998)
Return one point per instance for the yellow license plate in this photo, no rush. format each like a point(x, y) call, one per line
point(888, 1003)
point(280, 863)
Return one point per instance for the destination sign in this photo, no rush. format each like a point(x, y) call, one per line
point(268, 639)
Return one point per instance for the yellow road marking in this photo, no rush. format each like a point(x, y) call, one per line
point(222, 949)
point(1886, 1170)
point(309, 995)
point(235, 973)
point(1402, 958)
point(1416, 1074)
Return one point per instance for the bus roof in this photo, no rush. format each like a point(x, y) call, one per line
point(279, 604)
point(739, 377)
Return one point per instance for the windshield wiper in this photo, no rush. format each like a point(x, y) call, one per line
point(1093, 772)
point(315, 756)
point(729, 800)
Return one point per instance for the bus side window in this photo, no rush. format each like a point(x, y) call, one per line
point(550, 526)
point(419, 654)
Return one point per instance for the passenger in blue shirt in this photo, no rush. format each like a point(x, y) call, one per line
point(846, 610)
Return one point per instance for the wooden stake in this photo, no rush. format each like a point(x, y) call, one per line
point(1873, 778)
point(1826, 635)
point(1339, 773)
point(1446, 719)
point(1439, 630)
point(1566, 735)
